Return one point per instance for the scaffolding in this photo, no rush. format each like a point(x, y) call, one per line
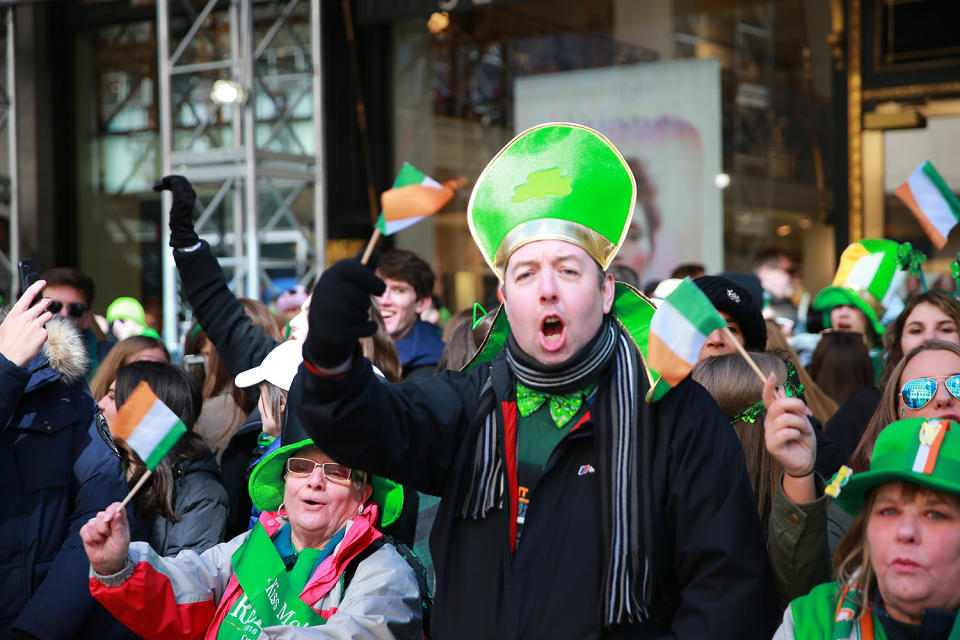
point(9, 183)
point(253, 157)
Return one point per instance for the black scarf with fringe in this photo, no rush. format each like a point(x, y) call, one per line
point(611, 357)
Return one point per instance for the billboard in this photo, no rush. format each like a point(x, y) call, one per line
point(665, 119)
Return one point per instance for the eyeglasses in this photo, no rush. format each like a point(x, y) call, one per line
point(75, 309)
point(918, 392)
point(303, 467)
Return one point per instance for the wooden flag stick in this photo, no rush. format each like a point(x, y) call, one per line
point(136, 488)
point(746, 356)
point(370, 245)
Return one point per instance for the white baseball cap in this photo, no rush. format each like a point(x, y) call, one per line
point(278, 368)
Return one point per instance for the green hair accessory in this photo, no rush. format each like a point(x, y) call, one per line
point(478, 317)
point(792, 386)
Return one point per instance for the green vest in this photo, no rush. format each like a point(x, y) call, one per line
point(815, 617)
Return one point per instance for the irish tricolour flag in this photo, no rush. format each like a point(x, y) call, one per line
point(678, 329)
point(932, 202)
point(147, 425)
point(413, 197)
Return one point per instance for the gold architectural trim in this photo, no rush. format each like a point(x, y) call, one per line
point(911, 91)
point(854, 124)
point(595, 244)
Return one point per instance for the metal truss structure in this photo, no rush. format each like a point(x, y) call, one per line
point(9, 184)
point(253, 160)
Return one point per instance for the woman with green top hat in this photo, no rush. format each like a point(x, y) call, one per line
point(315, 565)
point(898, 567)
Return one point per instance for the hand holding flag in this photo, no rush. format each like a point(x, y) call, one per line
point(148, 427)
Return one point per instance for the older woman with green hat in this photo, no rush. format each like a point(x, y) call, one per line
point(898, 567)
point(315, 565)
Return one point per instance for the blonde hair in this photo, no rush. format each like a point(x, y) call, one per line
point(887, 409)
point(119, 355)
point(735, 387)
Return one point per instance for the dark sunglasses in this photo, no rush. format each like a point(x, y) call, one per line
point(75, 309)
point(916, 393)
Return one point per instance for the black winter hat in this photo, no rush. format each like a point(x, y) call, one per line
point(736, 301)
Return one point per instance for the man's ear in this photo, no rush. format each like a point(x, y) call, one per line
point(423, 304)
point(606, 292)
point(501, 296)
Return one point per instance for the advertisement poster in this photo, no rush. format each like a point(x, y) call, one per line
point(665, 119)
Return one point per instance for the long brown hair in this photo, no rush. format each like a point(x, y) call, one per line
point(887, 409)
point(735, 387)
point(379, 348)
point(179, 392)
point(822, 405)
point(841, 364)
point(119, 355)
point(892, 352)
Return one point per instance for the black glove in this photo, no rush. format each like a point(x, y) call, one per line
point(339, 312)
point(182, 234)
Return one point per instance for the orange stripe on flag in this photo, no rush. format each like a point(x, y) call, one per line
point(413, 201)
point(906, 195)
point(935, 448)
point(134, 409)
point(671, 367)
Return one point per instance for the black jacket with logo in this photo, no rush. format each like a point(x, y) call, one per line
point(712, 578)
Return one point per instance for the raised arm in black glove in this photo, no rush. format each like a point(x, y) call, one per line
point(339, 312)
point(182, 233)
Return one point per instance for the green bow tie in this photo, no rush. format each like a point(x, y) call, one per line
point(562, 407)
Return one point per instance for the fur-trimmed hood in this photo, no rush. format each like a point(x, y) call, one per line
point(64, 348)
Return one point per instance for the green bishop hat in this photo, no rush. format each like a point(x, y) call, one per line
point(555, 181)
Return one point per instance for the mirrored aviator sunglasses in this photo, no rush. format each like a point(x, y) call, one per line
point(916, 393)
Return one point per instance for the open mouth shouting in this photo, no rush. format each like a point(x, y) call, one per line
point(552, 333)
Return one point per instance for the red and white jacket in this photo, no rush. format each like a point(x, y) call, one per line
point(188, 595)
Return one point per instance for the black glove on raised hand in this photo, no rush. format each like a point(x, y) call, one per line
point(182, 233)
point(339, 312)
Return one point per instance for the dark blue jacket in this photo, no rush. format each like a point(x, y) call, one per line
point(419, 351)
point(56, 472)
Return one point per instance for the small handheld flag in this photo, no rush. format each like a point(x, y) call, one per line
point(413, 197)
point(147, 425)
point(932, 203)
point(678, 330)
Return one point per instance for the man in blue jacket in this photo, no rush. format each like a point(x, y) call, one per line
point(58, 468)
point(409, 293)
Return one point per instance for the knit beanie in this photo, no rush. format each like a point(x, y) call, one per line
point(737, 302)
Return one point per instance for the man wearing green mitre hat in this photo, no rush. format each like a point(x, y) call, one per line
point(569, 507)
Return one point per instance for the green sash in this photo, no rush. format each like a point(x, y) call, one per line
point(270, 594)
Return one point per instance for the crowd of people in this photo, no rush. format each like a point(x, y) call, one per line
point(349, 471)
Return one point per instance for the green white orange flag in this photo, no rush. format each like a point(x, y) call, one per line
point(413, 197)
point(147, 425)
point(932, 202)
point(678, 329)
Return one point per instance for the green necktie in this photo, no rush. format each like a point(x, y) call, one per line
point(562, 407)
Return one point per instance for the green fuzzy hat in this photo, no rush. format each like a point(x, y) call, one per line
point(556, 181)
point(868, 278)
point(266, 485)
point(126, 308)
point(919, 450)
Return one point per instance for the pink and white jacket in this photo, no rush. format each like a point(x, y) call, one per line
point(188, 595)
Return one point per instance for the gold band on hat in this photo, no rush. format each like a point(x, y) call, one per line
point(871, 300)
point(595, 244)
